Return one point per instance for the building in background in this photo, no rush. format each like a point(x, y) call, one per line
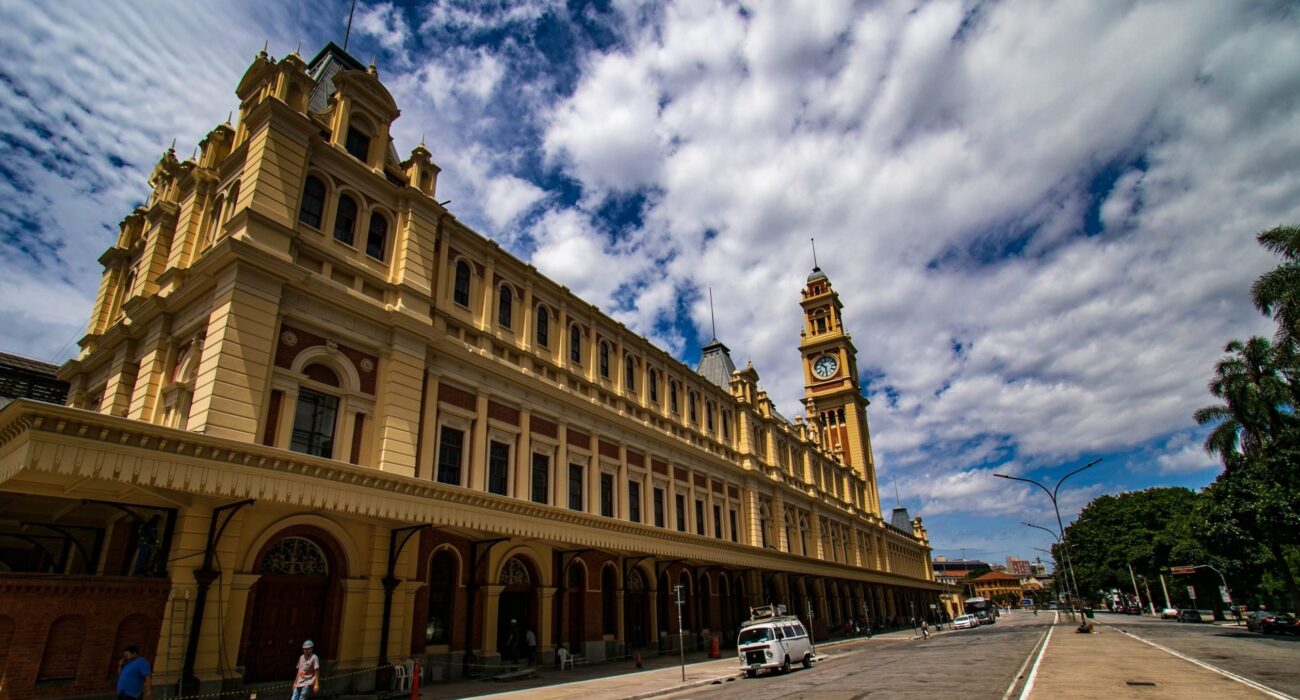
point(312, 404)
point(1018, 567)
point(24, 378)
point(997, 586)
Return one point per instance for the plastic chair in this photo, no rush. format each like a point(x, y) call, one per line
point(565, 658)
point(401, 677)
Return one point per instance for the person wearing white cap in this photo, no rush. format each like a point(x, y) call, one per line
point(307, 681)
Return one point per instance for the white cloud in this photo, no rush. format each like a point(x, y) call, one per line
point(385, 23)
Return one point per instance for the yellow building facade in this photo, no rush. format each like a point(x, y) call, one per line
point(311, 403)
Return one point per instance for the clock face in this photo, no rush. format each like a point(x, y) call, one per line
point(825, 367)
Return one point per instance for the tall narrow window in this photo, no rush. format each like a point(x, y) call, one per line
point(377, 237)
point(659, 507)
point(708, 415)
point(313, 423)
point(607, 495)
point(731, 516)
point(604, 359)
point(541, 478)
point(690, 406)
point(726, 426)
point(717, 521)
point(357, 144)
point(654, 386)
point(634, 501)
point(672, 395)
point(451, 446)
point(680, 501)
point(460, 294)
point(505, 306)
point(699, 517)
point(543, 327)
point(313, 201)
point(345, 220)
point(498, 467)
point(629, 373)
point(608, 602)
point(575, 486)
point(575, 344)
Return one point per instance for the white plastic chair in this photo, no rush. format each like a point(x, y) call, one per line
point(401, 677)
point(565, 658)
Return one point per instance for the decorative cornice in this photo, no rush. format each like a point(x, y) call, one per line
point(84, 444)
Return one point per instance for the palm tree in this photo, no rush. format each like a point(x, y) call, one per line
point(1277, 292)
point(1258, 403)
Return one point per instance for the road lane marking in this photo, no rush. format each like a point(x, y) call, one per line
point(1226, 674)
point(1041, 645)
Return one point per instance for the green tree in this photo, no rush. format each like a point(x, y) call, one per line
point(1149, 530)
point(1251, 512)
point(1277, 292)
point(1257, 399)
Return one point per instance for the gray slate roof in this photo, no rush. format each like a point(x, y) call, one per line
point(715, 364)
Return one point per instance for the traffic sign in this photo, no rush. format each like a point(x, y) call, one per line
point(1182, 570)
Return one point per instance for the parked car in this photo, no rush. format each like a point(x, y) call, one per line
point(773, 641)
point(1189, 615)
point(1169, 614)
point(1267, 622)
point(965, 622)
point(1132, 610)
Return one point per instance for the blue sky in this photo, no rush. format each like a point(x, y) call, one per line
point(1040, 216)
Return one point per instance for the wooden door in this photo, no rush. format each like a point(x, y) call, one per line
point(287, 610)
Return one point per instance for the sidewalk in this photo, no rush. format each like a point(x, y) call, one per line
point(1109, 664)
point(619, 681)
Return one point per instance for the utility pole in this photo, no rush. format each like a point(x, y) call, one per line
point(810, 625)
point(1136, 593)
point(1166, 590)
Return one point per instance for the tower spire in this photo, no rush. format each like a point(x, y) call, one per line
point(713, 320)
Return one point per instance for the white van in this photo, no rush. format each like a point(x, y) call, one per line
point(773, 640)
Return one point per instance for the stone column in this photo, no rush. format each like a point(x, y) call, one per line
point(424, 463)
point(560, 469)
point(521, 482)
point(397, 416)
point(476, 478)
point(621, 495)
point(491, 596)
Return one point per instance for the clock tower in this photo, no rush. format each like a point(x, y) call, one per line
point(832, 393)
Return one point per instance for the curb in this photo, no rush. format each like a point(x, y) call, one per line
point(683, 686)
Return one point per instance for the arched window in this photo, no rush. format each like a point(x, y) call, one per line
point(316, 415)
point(377, 236)
point(442, 595)
point(543, 327)
point(345, 220)
point(708, 415)
point(232, 200)
point(629, 372)
point(690, 406)
point(214, 223)
point(672, 395)
point(575, 344)
point(294, 556)
point(604, 359)
point(313, 202)
point(654, 386)
point(461, 292)
point(505, 306)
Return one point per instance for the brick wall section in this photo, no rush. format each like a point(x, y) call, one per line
point(34, 605)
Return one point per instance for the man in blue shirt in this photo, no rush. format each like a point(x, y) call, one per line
point(133, 680)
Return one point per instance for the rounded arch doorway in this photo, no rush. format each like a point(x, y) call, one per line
point(516, 609)
point(297, 597)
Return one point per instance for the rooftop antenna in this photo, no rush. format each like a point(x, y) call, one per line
point(814, 247)
point(348, 34)
point(712, 319)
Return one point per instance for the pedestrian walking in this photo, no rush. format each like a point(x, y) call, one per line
point(925, 629)
point(134, 676)
point(531, 640)
point(307, 681)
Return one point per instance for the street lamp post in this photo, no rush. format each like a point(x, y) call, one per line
point(1069, 570)
point(1060, 524)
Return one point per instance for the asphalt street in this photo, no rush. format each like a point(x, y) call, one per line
point(977, 663)
point(1272, 660)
